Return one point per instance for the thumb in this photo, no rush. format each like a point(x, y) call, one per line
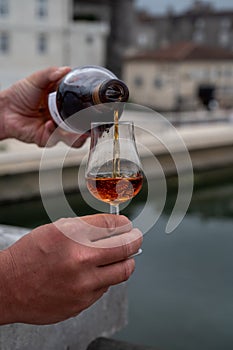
point(42, 78)
point(108, 221)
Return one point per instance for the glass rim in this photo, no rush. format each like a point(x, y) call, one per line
point(128, 122)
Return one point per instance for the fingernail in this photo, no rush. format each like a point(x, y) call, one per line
point(61, 71)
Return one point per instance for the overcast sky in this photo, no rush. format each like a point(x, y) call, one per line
point(160, 6)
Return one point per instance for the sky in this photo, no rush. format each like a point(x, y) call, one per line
point(160, 6)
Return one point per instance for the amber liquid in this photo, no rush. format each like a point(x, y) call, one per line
point(114, 190)
point(116, 147)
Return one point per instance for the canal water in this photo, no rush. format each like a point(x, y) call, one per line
point(181, 294)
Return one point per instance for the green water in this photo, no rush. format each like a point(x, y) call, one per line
point(181, 294)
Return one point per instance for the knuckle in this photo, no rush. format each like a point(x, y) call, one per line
point(109, 222)
point(125, 249)
point(81, 258)
point(130, 244)
point(84, 256)
point(127, 269)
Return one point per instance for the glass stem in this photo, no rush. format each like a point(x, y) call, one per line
point(114, 209)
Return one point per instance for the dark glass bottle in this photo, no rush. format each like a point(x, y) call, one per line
point(87, 86)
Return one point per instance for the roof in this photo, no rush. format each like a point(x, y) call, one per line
point(183, 51)
point(205, 11)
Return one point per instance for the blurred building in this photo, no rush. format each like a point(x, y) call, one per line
point(120, 17)
point(181, 76)
point(37, 33)
point(201, 23)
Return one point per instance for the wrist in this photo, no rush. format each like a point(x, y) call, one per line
point(3, 108)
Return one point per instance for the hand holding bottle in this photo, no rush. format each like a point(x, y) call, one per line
point(24, 109)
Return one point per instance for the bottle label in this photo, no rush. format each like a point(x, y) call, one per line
point(55, 114)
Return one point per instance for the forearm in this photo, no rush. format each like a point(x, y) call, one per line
point(3, 107)
point(7, 307)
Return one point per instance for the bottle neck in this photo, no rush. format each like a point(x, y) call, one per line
point(112, 90)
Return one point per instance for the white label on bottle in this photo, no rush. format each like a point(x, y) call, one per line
point(52, 103)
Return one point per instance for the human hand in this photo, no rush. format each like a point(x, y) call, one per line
point(25, 110)
point(46, 277)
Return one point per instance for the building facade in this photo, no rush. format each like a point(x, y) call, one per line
point(35, 34)
point(183, 76)
point(201, 23)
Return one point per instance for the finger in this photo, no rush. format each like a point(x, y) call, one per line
point(70, 139)
point(117, 248)
point(50, 136)
point(50, 126)
point(119, 240)
point(115, 273)
point(101, 226)
point(74, 140)
point(88, 230)
point(45, 138)
point(43, 78)
point(77, 143)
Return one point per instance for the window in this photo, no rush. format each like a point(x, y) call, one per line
point(226, 23)
point(198, 36)
point(142, 39)
point(4, 8)
point(89, 39)
point(224, 39)
point(41, 8)
point(42, 44)
point(206, 73)
point(186, 76)
point(138, 81)
point(213, 73)
point(158, 83)
point(4, 42)
point(219, 73)
point(227, 72)
point(200, 23)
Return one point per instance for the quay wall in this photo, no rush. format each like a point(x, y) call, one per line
point(208, 142)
